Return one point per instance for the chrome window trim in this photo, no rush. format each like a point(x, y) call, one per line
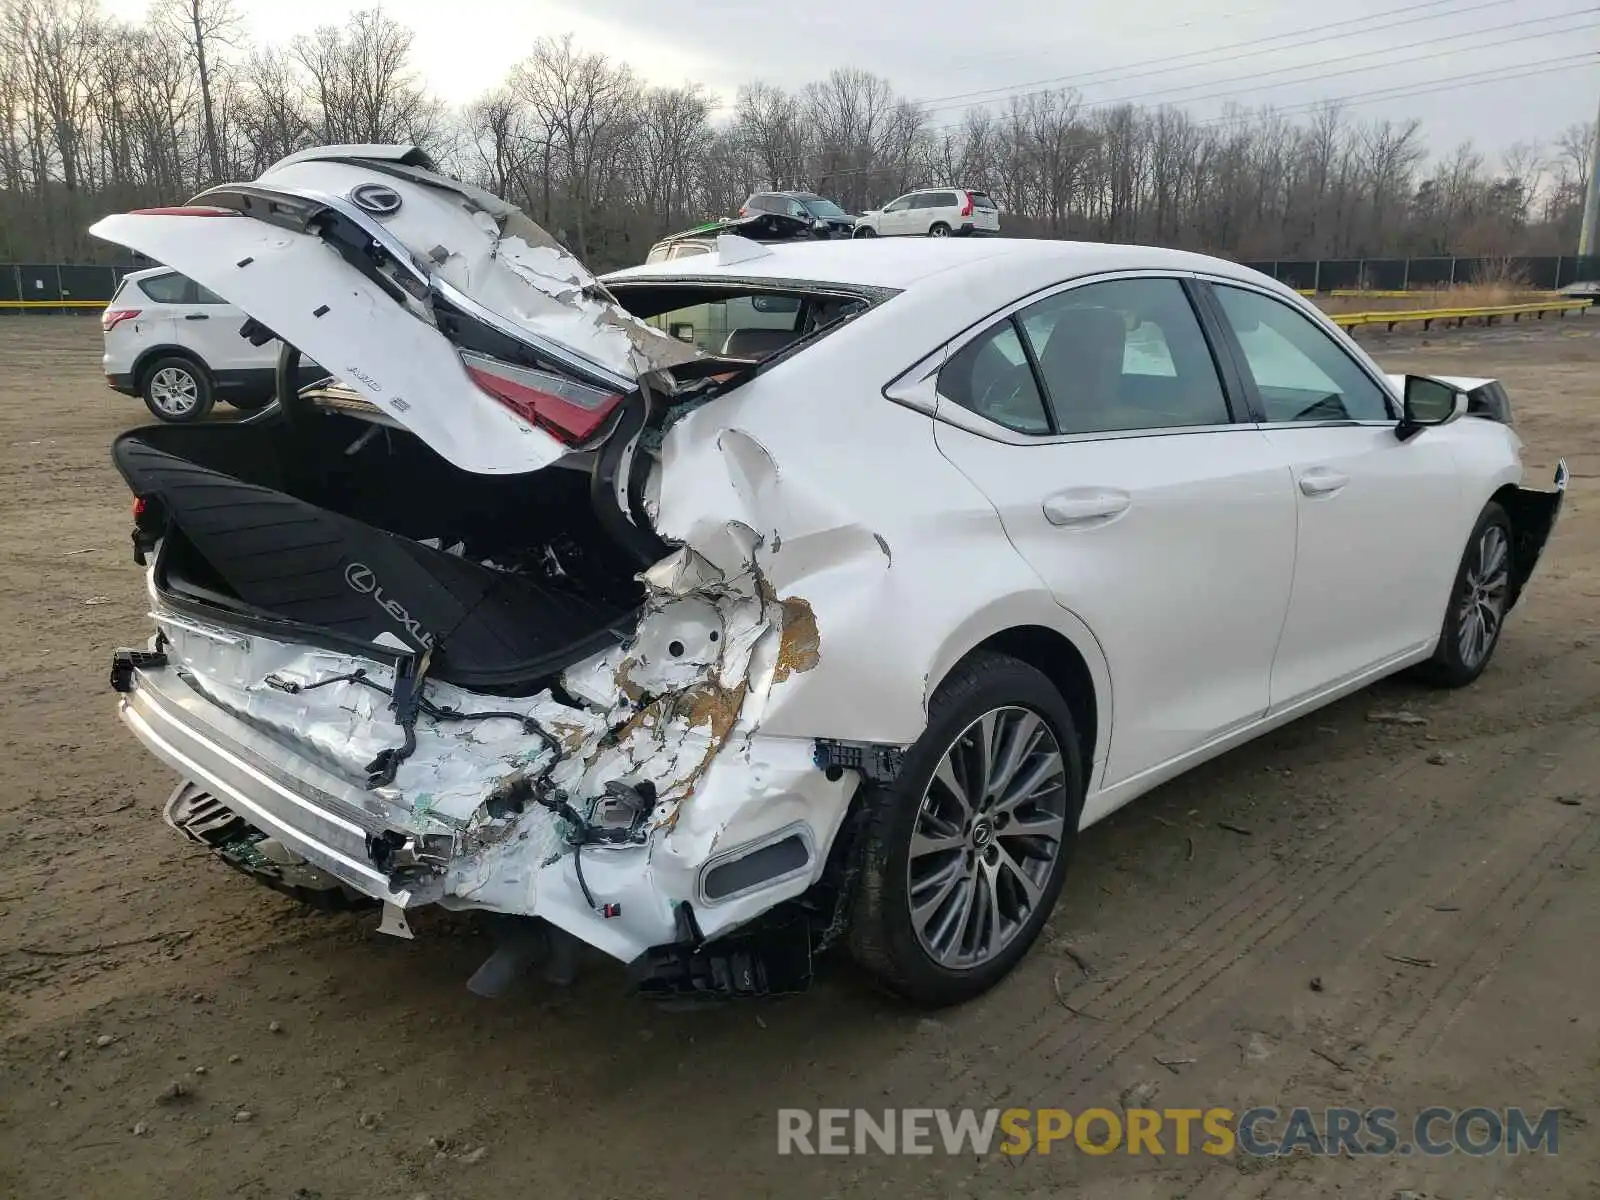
point(917, 387)
point(1320, 319)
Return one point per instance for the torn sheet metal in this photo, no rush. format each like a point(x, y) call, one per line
point(673, 716)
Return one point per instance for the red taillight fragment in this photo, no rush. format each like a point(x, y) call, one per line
point(966, 209)
point(573, 411)
point(185, 210)
point(112, 317)
point(138, 507)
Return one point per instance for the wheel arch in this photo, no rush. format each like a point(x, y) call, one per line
point(155, 354)
point(1053, 642)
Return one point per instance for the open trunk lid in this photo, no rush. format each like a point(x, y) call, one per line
point(442, 305)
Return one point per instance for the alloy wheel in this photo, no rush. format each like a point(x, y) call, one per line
point(988, 833)
point(1482, 603)
point(174, 391)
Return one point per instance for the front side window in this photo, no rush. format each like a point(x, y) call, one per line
point(991, 376)
point(824, 209)
point(1127, 354)
point(1301, 373)
point(899, 205)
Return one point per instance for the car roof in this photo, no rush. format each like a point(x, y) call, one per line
point(901, 263)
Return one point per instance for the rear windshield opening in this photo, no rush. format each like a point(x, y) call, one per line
point(739, 321)
point(981, 200)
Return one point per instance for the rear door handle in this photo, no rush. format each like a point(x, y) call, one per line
point(197, 316)
point(1085, 506)
point(1322, 481)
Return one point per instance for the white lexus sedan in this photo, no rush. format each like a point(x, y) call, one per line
point(733, 607)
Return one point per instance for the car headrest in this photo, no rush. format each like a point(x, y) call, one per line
point(756, 343)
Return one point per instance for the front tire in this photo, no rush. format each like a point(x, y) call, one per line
point(865, 231)
point(939, 229)
point(177, 391)
point(249, 404)
point(1479, 601)
point(964, 856)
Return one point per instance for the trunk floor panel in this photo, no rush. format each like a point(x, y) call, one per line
point(290, 558)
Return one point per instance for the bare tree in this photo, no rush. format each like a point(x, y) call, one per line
point(202, 26)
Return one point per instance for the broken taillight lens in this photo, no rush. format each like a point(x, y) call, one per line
point(572, 411)
point(138, 507)
point(112, 317)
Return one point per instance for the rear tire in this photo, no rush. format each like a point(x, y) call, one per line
point(939, 229)
point(176, 390)
point(961, 858)
point(1479, 600)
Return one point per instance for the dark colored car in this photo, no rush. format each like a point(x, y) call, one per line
point(803, 206)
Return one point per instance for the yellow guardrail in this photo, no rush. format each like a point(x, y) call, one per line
point(1395, 316)
point(55, 304)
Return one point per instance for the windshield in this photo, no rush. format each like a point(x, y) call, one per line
point(822, 209)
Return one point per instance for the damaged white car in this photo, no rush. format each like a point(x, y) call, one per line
point(739, 605)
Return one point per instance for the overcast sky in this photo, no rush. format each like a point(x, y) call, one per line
point(950, 53)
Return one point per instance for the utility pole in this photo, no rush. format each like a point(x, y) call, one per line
point(1591, 198)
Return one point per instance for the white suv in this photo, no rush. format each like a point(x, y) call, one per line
point(932, 212)
point(177, 346)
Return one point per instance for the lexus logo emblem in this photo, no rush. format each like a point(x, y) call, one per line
point(360, 577)
point(377, 199)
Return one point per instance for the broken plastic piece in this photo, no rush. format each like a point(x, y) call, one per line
point(394, 922)
point(880, 764)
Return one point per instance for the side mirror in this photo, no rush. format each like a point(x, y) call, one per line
point(1428, 402)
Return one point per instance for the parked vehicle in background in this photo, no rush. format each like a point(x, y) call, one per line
point(804, 206)
point(765, 228)
point(177, 346)
point(932, 212)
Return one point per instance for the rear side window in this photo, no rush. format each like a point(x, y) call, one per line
point(690, 250)
point(991, 376)
point(168, 289)
point(1124, 355)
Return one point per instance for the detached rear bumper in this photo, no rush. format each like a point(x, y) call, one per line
point(313, 812)
point(755, 833)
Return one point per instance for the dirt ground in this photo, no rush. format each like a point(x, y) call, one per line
point(131, 961)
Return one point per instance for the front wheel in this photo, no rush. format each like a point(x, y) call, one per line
point(865, 231)
point(964, 856)
point(1479, 602)
point(939, 229)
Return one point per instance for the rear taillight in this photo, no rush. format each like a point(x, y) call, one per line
point(574, 412)
point(966, 209)
point(112, 317)
point(138, 507)
point(744, 211)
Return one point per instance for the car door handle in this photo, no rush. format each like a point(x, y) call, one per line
point(1085, 506)
point(1321, 481)
point(197, 316)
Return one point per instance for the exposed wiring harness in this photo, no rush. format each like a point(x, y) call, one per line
point(407, 700)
